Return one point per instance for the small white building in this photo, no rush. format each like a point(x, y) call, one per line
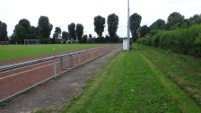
point(126, 44)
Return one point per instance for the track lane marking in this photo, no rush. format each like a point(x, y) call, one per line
point(12, 75)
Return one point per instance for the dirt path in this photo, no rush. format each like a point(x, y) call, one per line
point(57, 92)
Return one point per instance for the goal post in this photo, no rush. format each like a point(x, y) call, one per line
point(71, 41)
point(31, 41)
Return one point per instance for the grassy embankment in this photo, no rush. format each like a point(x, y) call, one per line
point(24, 51)
point(145, 79)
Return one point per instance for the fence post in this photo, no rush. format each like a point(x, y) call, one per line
point(55, 68)
point(71, 60)
point(79, 58)
point(61, 63)
point(91, 53)
point(99, 51)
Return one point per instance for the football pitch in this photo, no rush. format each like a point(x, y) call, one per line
point(12, 52)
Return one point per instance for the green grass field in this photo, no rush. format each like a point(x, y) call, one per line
point(24, 51)
point(145, 79)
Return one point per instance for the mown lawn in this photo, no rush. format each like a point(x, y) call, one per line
point(24, 51)
point(184, 70)
point(130, 83)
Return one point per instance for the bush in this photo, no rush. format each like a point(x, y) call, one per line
point(190, 36)
point(181, 40)
point(197, 46)
point(46, 40)
point(155, 38)
point(144, 40)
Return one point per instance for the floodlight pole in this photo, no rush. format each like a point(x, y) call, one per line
point(128, 28)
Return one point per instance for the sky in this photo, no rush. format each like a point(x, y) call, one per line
point(63, 12)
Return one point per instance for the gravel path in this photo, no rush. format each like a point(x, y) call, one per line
point(58, 92)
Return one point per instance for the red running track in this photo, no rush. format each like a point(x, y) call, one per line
point(15, 80)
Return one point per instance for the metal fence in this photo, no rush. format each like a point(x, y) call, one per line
point(18, 78)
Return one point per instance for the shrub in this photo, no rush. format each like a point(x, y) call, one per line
point(155, 38)
point(181, 40)
point(197, 46)
point(46, 40)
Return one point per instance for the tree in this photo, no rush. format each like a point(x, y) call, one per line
point(44, 27)
point(26, 24)
point(135, 21)
point(3, 31)
point(113, 22)
point(99, 24)
point(158, 24)
point(71, 30)
point(33, 32)
point(91, 39)
point(175, 20)
point(65, 35)
point(19, 34)
point(56, 34)
point(84, 39)
point(144, 31)
point(79, 31)
point(90, 36)
point(196, 19)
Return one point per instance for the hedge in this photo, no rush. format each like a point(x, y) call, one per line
point(183, 40)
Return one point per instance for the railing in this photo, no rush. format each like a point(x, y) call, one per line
point(42, 67)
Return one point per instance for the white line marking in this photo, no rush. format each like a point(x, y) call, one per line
point(28, 70)
point(23, 72)
point(22, 67)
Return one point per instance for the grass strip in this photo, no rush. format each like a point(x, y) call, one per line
point(182, 69)
point(131, 83)
point(24, 51)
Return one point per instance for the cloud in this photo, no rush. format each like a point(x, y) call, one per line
point(63, 12)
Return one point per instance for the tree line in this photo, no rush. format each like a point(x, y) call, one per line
point(24, 30)
point(177, 34)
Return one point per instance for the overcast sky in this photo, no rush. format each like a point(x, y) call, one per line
point(63, 12)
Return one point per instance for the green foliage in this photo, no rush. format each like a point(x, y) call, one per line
point(158, 24)
point(113, 22)
point(144, 40)
point(84, 40)
point(79, 31)
point(3, 31)
point(135, 21)
point(197, 44)
point(33, 32)
point(26, 24)
point(99, 24)
point(65, 35)
point(144, 31)
point(156, 38)
point(19, 34)
point(71, 30)
point(56, 34)
point(91, 39)
point(175, 20)
point(44, 27)
point(45, 41)
point(186, 41)
point(196, 19)
point(151, 39)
